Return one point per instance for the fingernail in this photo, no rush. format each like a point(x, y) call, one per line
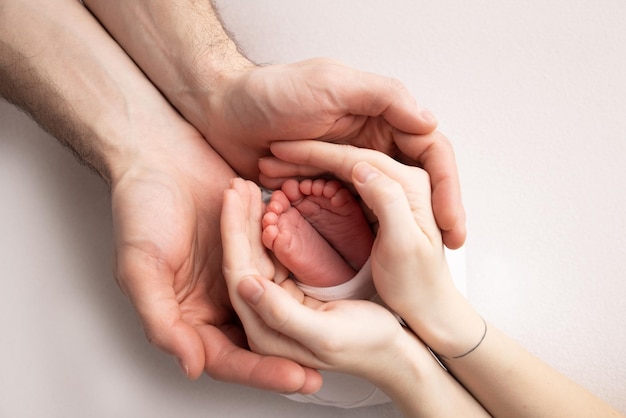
point(250, 290)
point(363, 172)
point(428, 116)
point(183, 367)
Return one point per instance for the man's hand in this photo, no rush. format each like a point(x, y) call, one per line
point(313, 99)
point(168, 261)
point(240, 107)
point(166, 183)
point(326, 100)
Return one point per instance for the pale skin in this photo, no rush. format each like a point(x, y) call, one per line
point(315, 220)
point(412, 277)
point(337, 334)
point(165, 175)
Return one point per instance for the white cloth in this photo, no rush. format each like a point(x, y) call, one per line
point(360, 286)
point(344, 391)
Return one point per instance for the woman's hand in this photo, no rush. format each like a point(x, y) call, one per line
point(282, 321)
point(408, 261)
point(353, 336)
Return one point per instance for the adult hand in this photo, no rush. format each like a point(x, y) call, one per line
point(408, 262)
point(326, 100)
point(331, 336)
point(408, 244)
point(166, 181)
point(313, 99)
point(168, 261)
point(240, 107)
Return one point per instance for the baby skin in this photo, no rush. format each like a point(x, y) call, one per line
point(314, 220)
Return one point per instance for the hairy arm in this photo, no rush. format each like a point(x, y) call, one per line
point(65, 85)
point(84, 90)
point(181, 46)
point(240, 107)
point(63, 68)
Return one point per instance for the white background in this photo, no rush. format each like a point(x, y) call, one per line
point(533, 96)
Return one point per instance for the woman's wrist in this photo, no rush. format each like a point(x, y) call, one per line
point(433, 307)
point(406, 365)
point(420, 386)
point(447, 323)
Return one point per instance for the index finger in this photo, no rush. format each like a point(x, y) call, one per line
point(338, 159)
point(435, 155)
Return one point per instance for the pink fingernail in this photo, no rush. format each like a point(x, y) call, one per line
point(428, 116)
point(251, 290)
point(363, 172)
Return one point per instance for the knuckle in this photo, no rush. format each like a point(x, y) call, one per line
point(278, 317)
point(331, 345)
point(390, 192)
point(396, 85)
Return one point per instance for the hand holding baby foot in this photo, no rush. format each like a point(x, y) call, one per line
point(432, 152)
point(244, 253)
point(244, 256)
point(317, 220)
point(408, 262)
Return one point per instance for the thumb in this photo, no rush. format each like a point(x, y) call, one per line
point(387, 198)
point(299, 331)
point(165, 329)
point(280, 311)
point(160, 313)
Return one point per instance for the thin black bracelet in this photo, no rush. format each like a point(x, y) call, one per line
point(479, 342)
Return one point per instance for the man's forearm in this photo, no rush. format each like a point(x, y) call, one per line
point(180, 45)
point(73, 79)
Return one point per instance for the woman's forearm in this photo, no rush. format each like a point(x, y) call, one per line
point(420, 387)
point(511, 382)
point(505, 378)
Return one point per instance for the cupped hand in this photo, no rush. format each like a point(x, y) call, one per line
point(408, 261)
point(326, 100)
point(282, 320)
point(312, 99)
point(166, 205)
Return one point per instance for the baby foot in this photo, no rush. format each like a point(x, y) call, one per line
point(318, 231)
point(335, 214)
